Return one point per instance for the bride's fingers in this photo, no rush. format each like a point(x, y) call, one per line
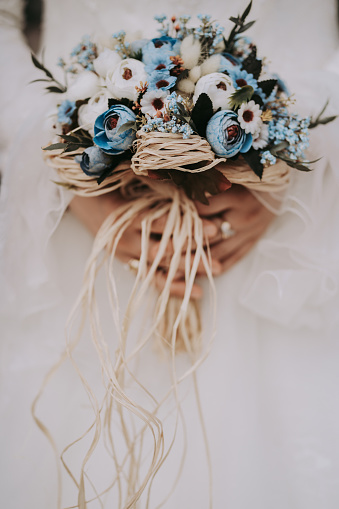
point(178, 286)
point(159, 224)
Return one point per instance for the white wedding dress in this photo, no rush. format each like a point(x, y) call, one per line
point(269, 387)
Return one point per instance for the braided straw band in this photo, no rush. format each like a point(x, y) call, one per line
point(167, 151)
point(275, 178)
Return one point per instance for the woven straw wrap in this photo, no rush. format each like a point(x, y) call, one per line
point(166, 151)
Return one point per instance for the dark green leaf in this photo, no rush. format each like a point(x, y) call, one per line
point(55, 90)
point(115, 161)
point(297, 164)
point(278, 148)
point(48, 80)
point(246, 11)
point(72, 147)
point(55, 146)
point(246, 27)
point(252, 65)
point(182, 76)
point(40, 66)
point(137, 55)
point(243, 94)
point(257, 99)
point(202, 113)
point(322, 121)
point(267, 86)
point(252, 158)
point(124, 101)
point(234, 20)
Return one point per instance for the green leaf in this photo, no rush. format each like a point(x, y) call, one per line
point(40, 66)
point(127, 126)
point(55, 146)
point(235, 20)
point(182, 76)
point(297, 164)
point(202, 113)
point(246, 27)
point(137, 55)
point(278, 148)
point(48, 80)
point(246, 11)
point(124, 101)
point(252, 158)
point(243, 94)
point(267, 86)
point(55, 90)
point(252, 65)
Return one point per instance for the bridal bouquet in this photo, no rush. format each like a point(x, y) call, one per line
point(153, 119)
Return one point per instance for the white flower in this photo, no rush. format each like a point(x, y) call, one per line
point(106, 62)
point(218, 87)
point(85, 85)
point(89, 112)
point(153, 101)
point(260, 138)
point(128, 74)
point(249, 117)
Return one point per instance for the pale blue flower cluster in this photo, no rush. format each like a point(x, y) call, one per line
point(172, 126)
point(243, 47)
point(65, 112)
point(209, 31)
point(172, 103)
point(164, 29)
point(121, 47)
point(84, 53)
point(294, 130)
point(268, 159)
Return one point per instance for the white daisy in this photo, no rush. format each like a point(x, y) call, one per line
point(153, 102)
point(249, 117)
point(260, 138)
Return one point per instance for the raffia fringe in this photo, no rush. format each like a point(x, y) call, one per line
point(176, 322)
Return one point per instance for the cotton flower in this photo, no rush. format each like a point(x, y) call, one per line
point(260, 138)
point(218, 87)
point(85, 85)
point(88, 113)
point(128, 74)
point(106, 62)
point(153, 102)
point(249, 117)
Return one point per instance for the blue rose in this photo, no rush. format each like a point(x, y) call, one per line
point(165, 40)
point(93, 161)
point(225, 135)
point(106, 127)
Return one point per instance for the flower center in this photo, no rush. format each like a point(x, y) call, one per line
point(157, 104)
point(248, 115)
point(127, 74)
point(162, 83)
point(160, 66)
point(112, 121)
point(241, 82)
point(68, 110)
point(158, 44)
point(232, 131)
point(222, 85)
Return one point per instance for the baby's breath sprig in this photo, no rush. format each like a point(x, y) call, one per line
point(121, 46)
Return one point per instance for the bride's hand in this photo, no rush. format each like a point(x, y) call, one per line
point(92, 212)
point(245, 215)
